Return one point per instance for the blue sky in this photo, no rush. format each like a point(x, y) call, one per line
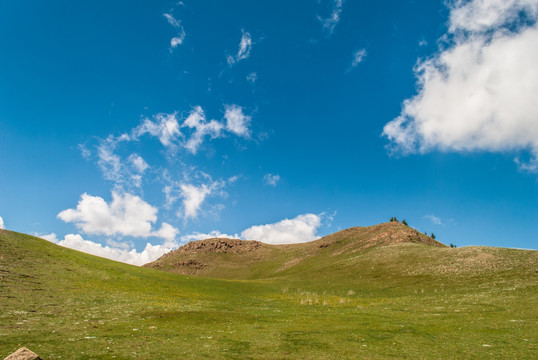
point(128, 128)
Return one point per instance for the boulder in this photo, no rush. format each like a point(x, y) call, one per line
point(23, 354)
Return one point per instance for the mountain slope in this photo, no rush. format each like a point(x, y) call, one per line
point(238, 259)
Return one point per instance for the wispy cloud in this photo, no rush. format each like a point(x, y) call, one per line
point(2, 226)
point(202, 127)
point(329, 23)
point(86, 154)
point(245, 45)
point(191, 132)
point(176, 40)
point(271, 179)
point(479, 93)
point(358, 57)
point(138, 163)
point(192, 191)
point(252, 77)
point(434, 219)
point(163, 126)
point(236, 121)
point(124, 174)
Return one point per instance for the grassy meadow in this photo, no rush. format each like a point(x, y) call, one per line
point(406, 300)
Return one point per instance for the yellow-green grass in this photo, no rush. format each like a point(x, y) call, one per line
point(405, 300)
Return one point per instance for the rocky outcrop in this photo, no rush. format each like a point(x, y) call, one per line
point(218, 245)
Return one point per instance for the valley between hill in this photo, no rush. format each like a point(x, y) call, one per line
point(379, 292)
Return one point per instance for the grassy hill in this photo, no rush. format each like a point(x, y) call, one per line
point(351, 295)
point(238, 259)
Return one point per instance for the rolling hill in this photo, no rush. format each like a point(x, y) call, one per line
point(377, 292)
point(239, 259)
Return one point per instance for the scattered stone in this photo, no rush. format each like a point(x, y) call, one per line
point(23, 354)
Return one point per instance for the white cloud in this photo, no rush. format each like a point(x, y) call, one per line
point(236, 121)
point(480, 93)
point(123, 174)
point(358, 57)
point(49, 237)
point(201, 236)
point(118, 253)
point(434, 219)
point(164, 126)
point(172, 20)
point(300, 229)
point(194, 196)
point(271, 179)
point(245, 45)
point(252, 77)
point(84, 151)
point(126, 215)
point(173, 132)
point(2, 226)
point(483, 15)
point(176, 40)
point(138, 162)
point(109, 162)
point(330, 22)
point(197, 121)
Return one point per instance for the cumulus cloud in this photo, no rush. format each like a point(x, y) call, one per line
point(329, 23)
point(483, 15)
point(202, 236)
point(194, 196)
point(302, 228)
point(271, 179)
point(479, 93)
point(2, 226)
point(245, 45)
point(126, 215)
point(434, 219)
point(236, 121)
point(358, 57)
point(176, 40)
point(121, 252)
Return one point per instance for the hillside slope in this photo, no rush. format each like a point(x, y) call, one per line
point(238, 259)
point(406, 300)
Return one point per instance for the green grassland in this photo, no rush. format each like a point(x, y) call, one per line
point(351, 298)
